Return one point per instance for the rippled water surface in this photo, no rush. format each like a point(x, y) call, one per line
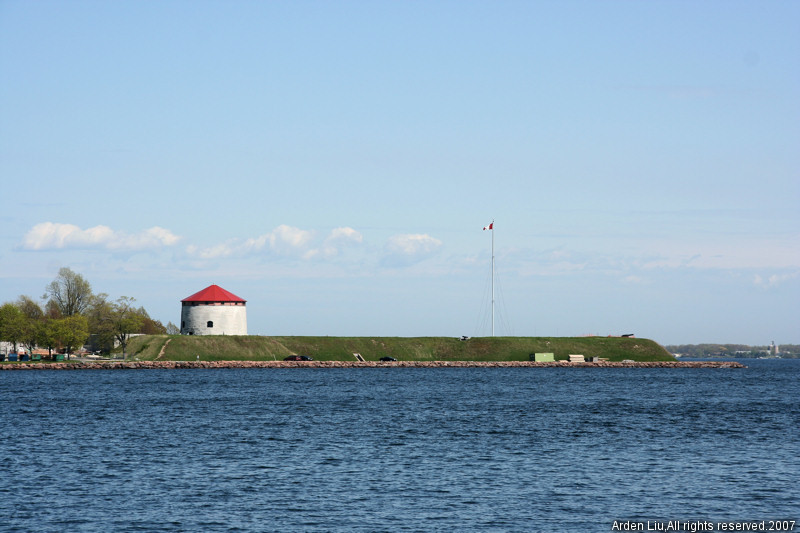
point(391, 449)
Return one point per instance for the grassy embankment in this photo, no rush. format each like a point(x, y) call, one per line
point(256, 348)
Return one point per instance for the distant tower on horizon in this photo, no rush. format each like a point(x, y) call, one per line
point(774, 349)
point(213, 311)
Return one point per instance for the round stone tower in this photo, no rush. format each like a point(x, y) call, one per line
point(213, 311)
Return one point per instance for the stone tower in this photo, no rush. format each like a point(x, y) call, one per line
point(213, 311)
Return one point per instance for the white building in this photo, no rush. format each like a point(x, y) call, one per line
point(213, 311)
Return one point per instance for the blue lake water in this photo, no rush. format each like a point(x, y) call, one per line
point(397, 449)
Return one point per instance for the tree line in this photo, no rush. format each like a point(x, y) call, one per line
point(730, 350)
point(70, 314)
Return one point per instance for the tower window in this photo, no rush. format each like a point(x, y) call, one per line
point(210, 324)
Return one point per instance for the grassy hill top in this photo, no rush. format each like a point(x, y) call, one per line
point(257, 348)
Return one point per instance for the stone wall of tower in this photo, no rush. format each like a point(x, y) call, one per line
point(213, 319)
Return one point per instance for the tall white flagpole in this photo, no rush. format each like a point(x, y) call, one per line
point(492, 227)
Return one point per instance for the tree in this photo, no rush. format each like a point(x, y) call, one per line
point(49, 334)
point(100, 325)
point(117, 321)
point(72, 332)
point(124, 319)
point(150, 326)
point(29, 307)
point(51, 310)
point(70, 293)
point(33, 322)
point(172, 329)
point(12, 324)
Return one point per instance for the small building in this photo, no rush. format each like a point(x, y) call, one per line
point(213, 311)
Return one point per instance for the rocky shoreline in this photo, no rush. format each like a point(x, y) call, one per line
point(127, 365)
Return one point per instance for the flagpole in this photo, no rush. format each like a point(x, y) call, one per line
point(490, 227)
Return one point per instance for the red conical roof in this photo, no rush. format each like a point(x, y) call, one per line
point(213, 293)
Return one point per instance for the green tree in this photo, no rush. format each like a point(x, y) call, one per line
point(33, 322)
point(29, 307)
point(12, 324)
point(172, 329)
point(72, 332)
point(100, 325)
point(70, 293)
point(49, 334)
point(125, 320)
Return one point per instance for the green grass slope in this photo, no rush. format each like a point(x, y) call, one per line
point(256, 348)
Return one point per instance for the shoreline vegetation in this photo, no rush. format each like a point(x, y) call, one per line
point(207, 348)
point(276, 348)
point(253, 351)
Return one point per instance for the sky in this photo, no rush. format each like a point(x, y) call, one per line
point(335, 163)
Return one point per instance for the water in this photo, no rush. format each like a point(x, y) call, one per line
point(390, 449)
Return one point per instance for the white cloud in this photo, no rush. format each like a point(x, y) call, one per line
point(283, 240)
point(150, 238)
point(402, 250)
point(57, 236)
point(417, 244)
point(345, 234)
point(289, 240)
point(339, 238)
point(774, 280)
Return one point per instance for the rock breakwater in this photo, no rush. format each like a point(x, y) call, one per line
point(135, 365)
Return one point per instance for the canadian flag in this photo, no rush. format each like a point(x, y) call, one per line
point(490, 226)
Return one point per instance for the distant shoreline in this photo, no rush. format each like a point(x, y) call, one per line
point(146, 365)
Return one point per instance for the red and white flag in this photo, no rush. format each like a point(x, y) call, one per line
point(490, 226)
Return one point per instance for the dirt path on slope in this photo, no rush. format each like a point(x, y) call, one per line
point(163, 349)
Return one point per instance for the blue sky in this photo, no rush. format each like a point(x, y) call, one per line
point(334, 163)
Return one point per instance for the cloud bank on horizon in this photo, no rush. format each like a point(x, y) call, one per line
point(635, 265)
point(284, 240)
point(402, 250)
point(58, 236)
